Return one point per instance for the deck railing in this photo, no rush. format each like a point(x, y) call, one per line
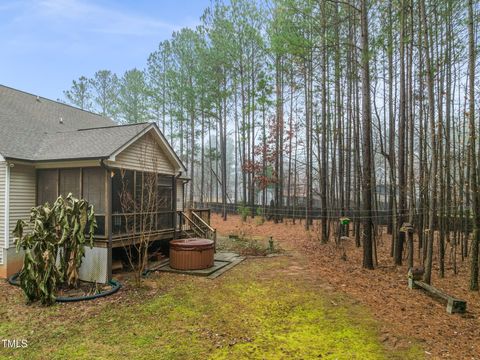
point(137, 223)
point(202, 213)
point(192, 221)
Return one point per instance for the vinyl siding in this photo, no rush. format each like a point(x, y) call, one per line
point(179, 195)
point(3, 171)
point(145, 154)
point(22, 195)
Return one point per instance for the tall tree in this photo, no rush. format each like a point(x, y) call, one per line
point(159, 66)
point(367, 142)
point(473, 155)
point(433, 145)
point(133, 98)
point(105, 90)
point(80, 93)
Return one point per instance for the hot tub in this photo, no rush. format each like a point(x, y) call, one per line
point(191, 254)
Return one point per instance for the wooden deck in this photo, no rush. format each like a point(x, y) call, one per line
point(191, 223)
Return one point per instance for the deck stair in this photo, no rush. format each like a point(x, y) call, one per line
point(196, 223)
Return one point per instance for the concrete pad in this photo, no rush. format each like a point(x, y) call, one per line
point(225, 256)
point(223, 262)
point(235, 262)
point(203, 272)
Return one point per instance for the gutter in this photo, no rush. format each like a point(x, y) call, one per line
point(30, 161)
point(103, 165)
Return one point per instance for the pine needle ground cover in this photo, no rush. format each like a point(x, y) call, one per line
point(261, 309)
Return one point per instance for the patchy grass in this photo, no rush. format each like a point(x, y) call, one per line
point(248, 245)
point(263, 308)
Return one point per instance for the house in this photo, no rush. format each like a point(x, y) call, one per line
point(48, 148)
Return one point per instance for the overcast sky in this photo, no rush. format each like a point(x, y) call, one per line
point(48, 43)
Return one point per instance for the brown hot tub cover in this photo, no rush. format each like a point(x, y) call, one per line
point(191, 254)
point(192, 244)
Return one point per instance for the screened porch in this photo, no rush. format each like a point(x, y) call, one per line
point(127, 203)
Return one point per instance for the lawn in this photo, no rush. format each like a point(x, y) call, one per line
point(265, 308)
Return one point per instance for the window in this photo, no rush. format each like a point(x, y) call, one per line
point(47, 186)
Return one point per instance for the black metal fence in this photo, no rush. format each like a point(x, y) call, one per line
point(380, 216)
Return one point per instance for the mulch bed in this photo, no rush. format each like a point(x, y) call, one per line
point(84, 289)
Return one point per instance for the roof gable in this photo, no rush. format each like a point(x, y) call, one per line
point(95, 143)
point(149, 149)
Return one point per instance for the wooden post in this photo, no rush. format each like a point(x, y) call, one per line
point(407, 228)
point(174, 206)
point(108, 220)
point(215, 239)
point(414, 274)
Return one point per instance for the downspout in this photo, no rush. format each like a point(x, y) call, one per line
point(6, 224)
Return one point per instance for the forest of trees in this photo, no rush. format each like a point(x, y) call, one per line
point(367, 109)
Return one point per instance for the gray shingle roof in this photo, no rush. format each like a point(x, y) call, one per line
point(38, 129)
point(91, 143)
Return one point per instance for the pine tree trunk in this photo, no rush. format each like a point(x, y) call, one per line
point(367, 144)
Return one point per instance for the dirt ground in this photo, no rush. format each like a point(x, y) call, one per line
point(306, 303)
point(404, 313)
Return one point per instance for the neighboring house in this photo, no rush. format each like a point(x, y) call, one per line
point(48, 149)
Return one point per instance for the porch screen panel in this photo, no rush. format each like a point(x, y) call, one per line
point(70, 182)
point(123, 191)
point(165, 202)
point(138, 190)
point(123, 202)
point(46, 186)
point(93, 185)
point(164, 193)
point(94, 188)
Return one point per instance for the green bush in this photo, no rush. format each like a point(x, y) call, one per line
point(244, 212)
point(54, 231)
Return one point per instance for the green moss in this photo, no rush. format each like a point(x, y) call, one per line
point(297, 324)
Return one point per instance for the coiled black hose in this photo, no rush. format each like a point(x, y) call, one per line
point(115, 284)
